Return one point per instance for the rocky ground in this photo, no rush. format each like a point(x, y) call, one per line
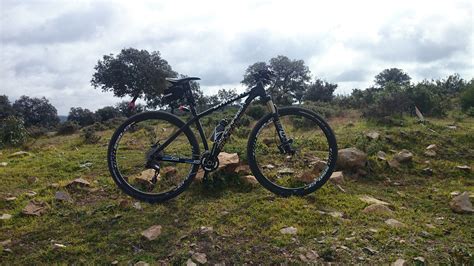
point(400, 195)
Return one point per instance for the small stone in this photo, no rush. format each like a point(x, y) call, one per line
point(85, 165)
point(137, 205)
point(336, 214)
point(394, 223)
point(141, 263)
point(382, 155)
point(403, 156)
point(371, 200)
point(5, 216)
point(269, 166)
point(461, 204)
point(393, 164)
point(431, 147)
point(289, 230)
point(190, 262)
point(35, 208)
point(337, 177)
point(10, 198)
point(464, 168)
point(373, 230)
point(373, 135)
point(78, 183)
point(453, 127)
point(286, 171)
point(369, 251)
point(351, 158)
point(430, 153)
point(63, 196)
point(430, 226)
point(115, 262)
point(20, 154)
point(399, 262)
point(54, 185)
point(249, 179)
point(206, 229)
point(30, 193)
point(152, 233)
point(427, 171)
point(3, 164)
point(377, 209)
point(199, 258)
point(57, 245)
point(420, 260)
point(454, 193)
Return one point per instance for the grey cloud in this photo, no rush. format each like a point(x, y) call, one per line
point(352, 75)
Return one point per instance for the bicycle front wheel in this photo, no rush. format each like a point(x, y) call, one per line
point(169, 172)
point(307, 167)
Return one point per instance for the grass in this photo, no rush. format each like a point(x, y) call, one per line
point(246, 221)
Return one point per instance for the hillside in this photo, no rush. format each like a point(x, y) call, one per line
point(232, 222)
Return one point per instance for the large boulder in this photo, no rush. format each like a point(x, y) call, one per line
point(351, 159)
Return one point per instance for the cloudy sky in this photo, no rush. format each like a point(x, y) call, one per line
point(49, 48)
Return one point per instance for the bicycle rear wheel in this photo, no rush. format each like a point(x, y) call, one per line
point(169, 173)
point(308, 167)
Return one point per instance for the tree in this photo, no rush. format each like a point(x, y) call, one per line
point(136, 73)
point(36, 112)
point(83, 117)
point(225, 95)
point(395, 75)
point(427, 98)
point(467, 96)
point(6, 108)
point(452, 85)
point(320, 90)
point(126, 111)
point(106, 113)
point(289, 83)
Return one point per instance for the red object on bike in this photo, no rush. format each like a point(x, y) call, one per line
point(131, 104)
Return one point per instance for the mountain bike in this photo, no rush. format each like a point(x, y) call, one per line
point(154, 156)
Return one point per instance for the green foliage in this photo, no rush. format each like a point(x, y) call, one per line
point(392, 75)
point(256, 111)
point(68, 127)
point(467, 97)
point(134, 73)
point(245, 121)
point(428, 98)
point(290, 79)
point(36, 112)
point(106, 113)
point(225, 95)
point(320, 90)
point(83, 117)
point(89, 136)
point(6, 108)
point(12, 131)
point(125, 111)
point(392, 101)
point(325, 109)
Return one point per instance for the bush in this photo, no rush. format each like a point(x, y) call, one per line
point(245, 121)
point(12, 131)
point(83, 117)
point(470, 111)
point(392, 101)
point(106, 113)
point(67, 128)
point(467, 97)
point(256, 111)
point(324, 109)
point(89, 136)
point(35, 131)
point(36, 112)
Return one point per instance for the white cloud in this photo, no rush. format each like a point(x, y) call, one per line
point(49, 48)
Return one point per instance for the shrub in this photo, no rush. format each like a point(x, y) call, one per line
point(392, 101)
point(256, 111)
point(245, 121)
point(67, 128)
point(12, 131)
point(35, 131)
point(470, 111)
point(106, 113)
point(83, 117)
point(36, 112)
point(467, 97)
point(89, 136)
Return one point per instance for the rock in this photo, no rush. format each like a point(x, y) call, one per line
point(20, 154)
point(371, 200)
point(393, 164)
point(430, 226)
point(306, 177)
point(57, 245)
point(373, 135)
point(63, 196)
point(461, 204)
point(190, 262)
point(152, 233)
point(3, 164)
point(206, 230)
point(30, 194)
point(10, 198)
point(249, 179)
point(399, 262)
point(200, 258)
point(452, 127)
point(78, 183)
point(464, 168)
point(454, 193)
point(427, 171)
point(141, 263)
point(228, 161)
point(430, 153)
point(85, 165)
point(5, 216)
point(269, 166)
point(243, 169)
point(318, 165)
point(431, 147)
point(289, 230)
point(336, 214)
point(35, 208)
point(31, 179)
point(381, 155)
point(377, 209)
point(403, 156)
point(145, 177)
point(54, 185)
point(394, 223)
point(369, 251)
point(286, 171)
point(337, 178)
point(420, 260)
point(137, 205)
point(115, 262)
point(351, 158)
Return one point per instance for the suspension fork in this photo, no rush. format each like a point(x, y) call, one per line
point(285, 146)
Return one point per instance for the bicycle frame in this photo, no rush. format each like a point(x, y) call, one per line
point(257, 91)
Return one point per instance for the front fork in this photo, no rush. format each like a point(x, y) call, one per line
point(285, 147)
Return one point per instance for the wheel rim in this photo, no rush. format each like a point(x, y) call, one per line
point(133, 146)
point(312, 158)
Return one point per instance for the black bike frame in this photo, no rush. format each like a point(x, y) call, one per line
point(257, 91)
